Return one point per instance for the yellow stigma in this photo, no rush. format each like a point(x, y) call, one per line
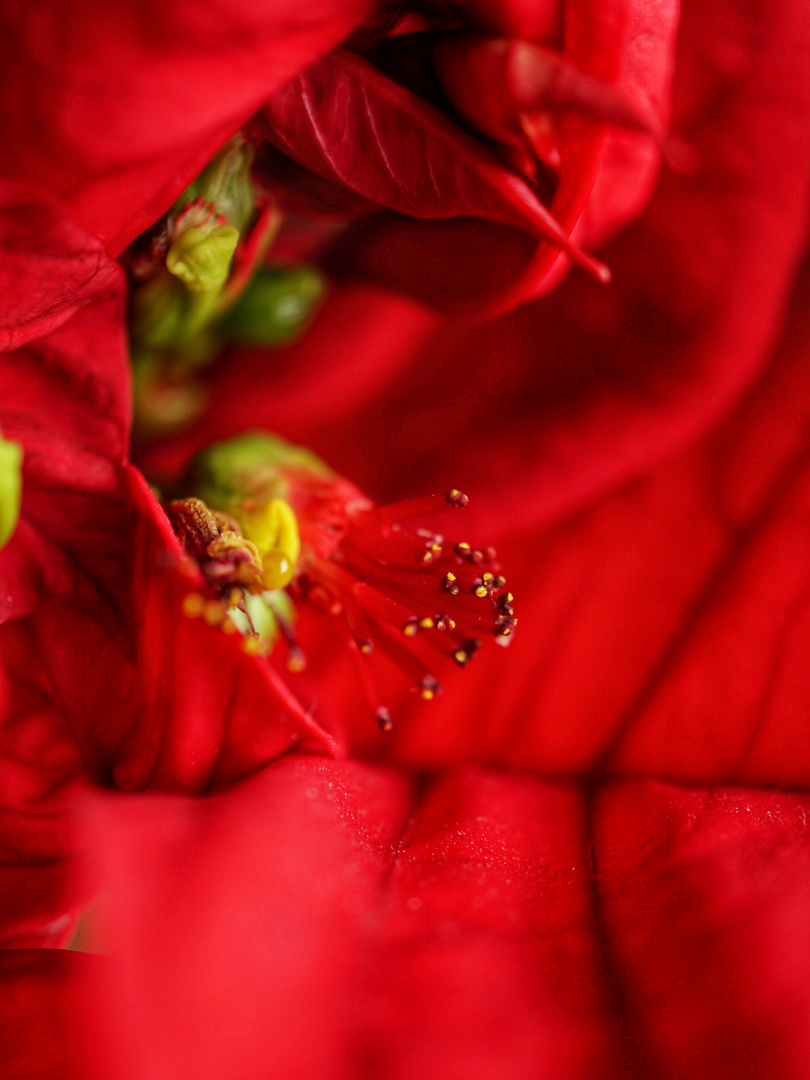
point(202, 259)
point(273, 528)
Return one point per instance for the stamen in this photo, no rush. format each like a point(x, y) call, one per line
point(400, 592)
point(427, 506)
point(464, 654)
point(426, 683)
point(451, 584)
point(378, 709)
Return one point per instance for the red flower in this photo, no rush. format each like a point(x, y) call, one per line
point(564, 906)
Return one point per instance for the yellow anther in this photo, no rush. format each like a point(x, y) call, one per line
point(427, 695)
point(193, 605)
point(213, 612)
point(202, 259)
point(427, 623)
point(273, 528)
point(480, 591)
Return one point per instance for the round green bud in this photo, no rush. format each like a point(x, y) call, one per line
point(276, 307)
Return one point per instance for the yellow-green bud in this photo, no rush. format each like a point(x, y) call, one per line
point(10, 488)
point(202, 260)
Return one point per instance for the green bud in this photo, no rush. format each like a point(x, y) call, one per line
point(10, 488)
point(276, 306)
point(203, 260)
point(256, 467)
point(225, 182)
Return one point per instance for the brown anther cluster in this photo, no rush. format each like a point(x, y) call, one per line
point(506, 622)
point(457, 498)
point(228, 561)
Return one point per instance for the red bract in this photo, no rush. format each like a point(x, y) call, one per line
point(557, 910)
point(490, 924)
point(92, 86)
point(129, 102)
point(350, 123)
point(92, 577)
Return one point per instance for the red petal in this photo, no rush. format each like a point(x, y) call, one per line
point(702, 900)
point(39, 1039)
point(64, 396)
point(345, 120)
point(49, 268)
point(457, 948)
point(465, 268)
point(668, 626)
point(38, 770)
point(162, 700)
point(118, 108)
point(316, 921)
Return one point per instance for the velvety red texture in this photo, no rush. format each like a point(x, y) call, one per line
point(39, 1039)
point(39, 771)
point(480, 924)
point(128, 101)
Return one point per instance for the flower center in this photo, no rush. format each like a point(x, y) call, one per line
point(271, 527)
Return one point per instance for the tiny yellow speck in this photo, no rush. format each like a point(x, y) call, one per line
point(192, 605)
point(427, 695)
point(213, 612)
point(252, 646)
point(427, 623)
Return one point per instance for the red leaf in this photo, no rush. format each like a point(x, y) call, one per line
point(39, 767)
point(450, 942)
point(39, 1036)
point(321, 919)
point(117, 109)
point(49, 268)
point(606, 176)
point(64, 396)
point(345, 120)
point(703, 896)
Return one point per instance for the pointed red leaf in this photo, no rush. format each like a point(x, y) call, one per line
point(345, 120)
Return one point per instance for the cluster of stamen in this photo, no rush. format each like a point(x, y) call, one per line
point(410, 595)
point(406, 595)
